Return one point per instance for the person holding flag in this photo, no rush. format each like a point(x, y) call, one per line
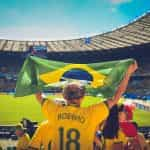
point(74, 126)
point(70, 122)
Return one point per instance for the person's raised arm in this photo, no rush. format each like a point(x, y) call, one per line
point(48, 105)
point(123, 85)
point(40, 97)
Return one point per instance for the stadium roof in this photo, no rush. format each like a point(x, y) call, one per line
point(135, 33)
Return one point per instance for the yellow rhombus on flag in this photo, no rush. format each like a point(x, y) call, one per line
point(55, 76)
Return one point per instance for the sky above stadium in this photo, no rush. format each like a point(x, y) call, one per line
point(65, 19)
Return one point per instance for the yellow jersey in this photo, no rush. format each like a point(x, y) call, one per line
point(74, 127)
point(42, 137)
point(109, 142)
point(23, 142)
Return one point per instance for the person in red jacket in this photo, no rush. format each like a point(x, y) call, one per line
point(125, 120)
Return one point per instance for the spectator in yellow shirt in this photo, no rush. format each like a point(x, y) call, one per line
point(23, 138)
point(42, 137)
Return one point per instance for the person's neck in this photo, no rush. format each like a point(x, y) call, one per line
point(74, 102)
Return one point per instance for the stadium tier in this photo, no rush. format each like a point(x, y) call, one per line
point(135, 33)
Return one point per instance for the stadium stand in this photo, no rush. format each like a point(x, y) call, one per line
point(132, 40)
point(135, 33)
point(8, 131)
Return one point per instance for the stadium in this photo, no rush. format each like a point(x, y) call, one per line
point(129, 41)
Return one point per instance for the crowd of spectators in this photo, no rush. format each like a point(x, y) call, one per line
point(117, 132)
point(8, 79)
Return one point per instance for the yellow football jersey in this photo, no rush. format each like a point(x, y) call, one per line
point(43, 136)
point(74, 127)
point(23, 142)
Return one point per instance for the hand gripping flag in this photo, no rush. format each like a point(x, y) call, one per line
point(39, 74)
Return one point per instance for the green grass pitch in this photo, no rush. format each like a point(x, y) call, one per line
point(12, 110)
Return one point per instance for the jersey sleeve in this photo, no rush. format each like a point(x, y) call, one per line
point(99, 112)
point(36, 140)
point(49, 108)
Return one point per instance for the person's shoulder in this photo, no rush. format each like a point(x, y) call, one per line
point(101, 104)
point(50, 102)
point(44, 125)
point(97, 109)
point(60, 101)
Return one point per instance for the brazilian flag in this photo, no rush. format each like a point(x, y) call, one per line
point(39, 74)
